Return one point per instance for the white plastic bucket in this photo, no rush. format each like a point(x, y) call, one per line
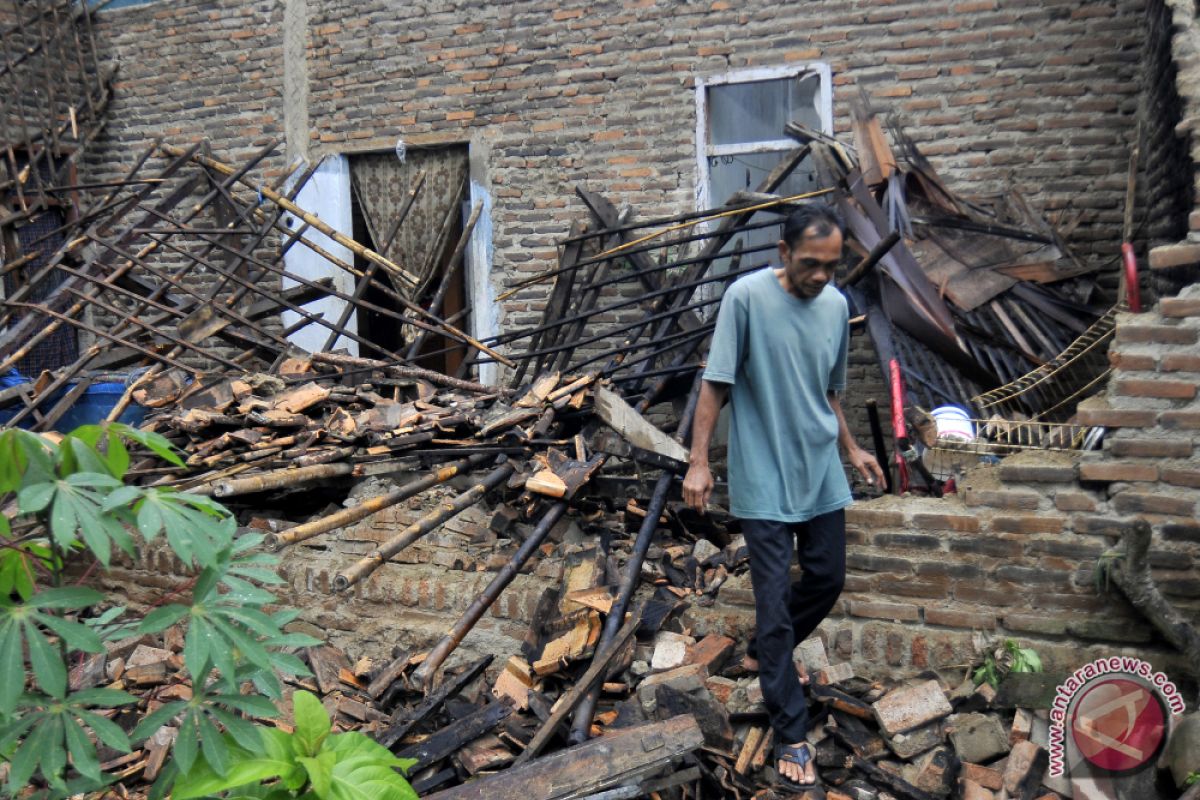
point(953, 422)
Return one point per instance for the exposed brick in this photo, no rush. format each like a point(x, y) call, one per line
point(1029, 524)
point(892, 611)
point(1174, 255)
point(1132, 361)
point(857, 515)
point(1180, 306)
point(1181, 532)
point(1180, 476)
point(1074, 501)
point(1118, 471)
point(963, 523)
point(1035, 623)
point(1037, 473)
point(1116, 417)
point(983, 776)
point(1180, 420)
point(1003, 498)
point(916, 541)
point(1176, 447)
point(1181, 362)
point(987, 546)
point(1155, 334)
point(909, 707)
point(1132, 502)
point(1168, 389)
point(953, 618)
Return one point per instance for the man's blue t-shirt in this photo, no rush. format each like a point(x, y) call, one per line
point(781, 354)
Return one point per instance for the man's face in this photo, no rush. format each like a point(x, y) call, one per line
point(810, 264)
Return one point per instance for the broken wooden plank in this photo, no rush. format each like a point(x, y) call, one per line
point(454, 736)
point(404, 719)
point(611, 760)
point(625, 420)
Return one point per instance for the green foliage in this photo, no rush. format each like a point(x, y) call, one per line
point(310, 762)
point(1007, 657)
point(1192, 778)
point(71, 498)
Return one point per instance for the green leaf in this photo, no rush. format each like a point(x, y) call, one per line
point(156, 719)
point(117, 456)
point(16, 728)
point(162, 618)
point(76, 635)
point(206, 584)
point(154, 442)
point(83, 752)
point(35, 498)
point(66, 597)
point(149, 518)
point(196, 647)
point(369, 778)
point(47, 666)
point(121, 498)
point(244, 733)
point(106, 731)
point(320, 772)
point(12, 666)
point(245, 769)
point(312, 722)
point(216, 751)
point(253, 705)
point(16, 572)
point(29, 755)
point(104, 698)
point(185, 743)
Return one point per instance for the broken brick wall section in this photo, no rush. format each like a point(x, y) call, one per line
point(1170, 107)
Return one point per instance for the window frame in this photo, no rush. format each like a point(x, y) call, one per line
point(705, 151)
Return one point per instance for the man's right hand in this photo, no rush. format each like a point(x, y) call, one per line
point(697, 486)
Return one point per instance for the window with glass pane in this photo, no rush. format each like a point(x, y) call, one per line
point(745, 141)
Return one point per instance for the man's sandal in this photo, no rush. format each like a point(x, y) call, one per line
point(799, 755)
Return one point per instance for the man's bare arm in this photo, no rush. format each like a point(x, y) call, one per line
point(698, 483)
point(860, 459)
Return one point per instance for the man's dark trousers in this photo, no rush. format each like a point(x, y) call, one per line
point(787, 613)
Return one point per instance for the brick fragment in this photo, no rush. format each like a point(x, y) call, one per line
point(987, 777)
point(908, 707)
point(970, 790)
point(712, 652)
point(977, 737)
point(1074, 501)
point(1022, 726)
point(1030, 524)
point(1026, 764)
point(1132, 361)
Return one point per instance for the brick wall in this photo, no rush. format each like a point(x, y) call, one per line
point(553, 95)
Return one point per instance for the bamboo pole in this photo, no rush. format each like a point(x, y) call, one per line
point(375, 504)
point(279, 479)
point(426, 524)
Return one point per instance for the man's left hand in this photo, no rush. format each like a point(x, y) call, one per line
point(867, 466)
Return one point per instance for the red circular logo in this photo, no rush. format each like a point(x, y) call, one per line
point(1118, 724)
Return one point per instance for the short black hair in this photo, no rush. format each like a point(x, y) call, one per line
point(823, 219)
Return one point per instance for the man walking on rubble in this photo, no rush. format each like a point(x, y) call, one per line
point(779, 352)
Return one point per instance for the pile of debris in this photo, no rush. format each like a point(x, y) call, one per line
point(680, 718)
